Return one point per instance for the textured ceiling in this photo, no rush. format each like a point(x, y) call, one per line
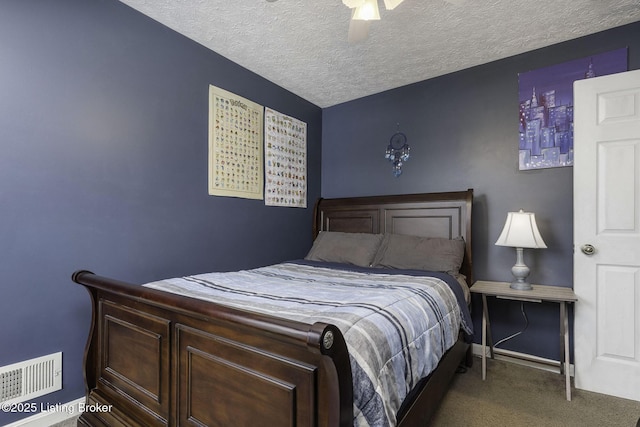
point(303, 45)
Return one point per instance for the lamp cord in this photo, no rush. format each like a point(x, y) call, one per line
point(526, 325)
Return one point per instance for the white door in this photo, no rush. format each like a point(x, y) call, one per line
point(607, 217)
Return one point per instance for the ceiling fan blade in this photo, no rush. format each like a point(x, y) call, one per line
point(358, 30)
point(391, 4)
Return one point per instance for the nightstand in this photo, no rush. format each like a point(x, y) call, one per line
point(539, 293)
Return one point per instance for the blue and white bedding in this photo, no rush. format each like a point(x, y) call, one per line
point(397, 324)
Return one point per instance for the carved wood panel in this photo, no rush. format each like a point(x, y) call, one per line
point(222, 382)
point(135, 358)
point(353, 221)
point(446, 222)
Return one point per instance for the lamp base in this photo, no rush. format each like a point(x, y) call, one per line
point(521, 286)
point(520, 272)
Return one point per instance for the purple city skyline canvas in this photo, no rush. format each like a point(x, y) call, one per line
point(546, 107)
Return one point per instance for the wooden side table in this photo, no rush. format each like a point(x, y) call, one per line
point(539, 293)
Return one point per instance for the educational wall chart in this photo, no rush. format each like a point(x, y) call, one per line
point(285, 149)
point(235, 145)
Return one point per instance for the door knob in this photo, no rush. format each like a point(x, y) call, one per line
point(588, 249)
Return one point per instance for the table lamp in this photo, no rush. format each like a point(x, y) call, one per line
point(520, 231)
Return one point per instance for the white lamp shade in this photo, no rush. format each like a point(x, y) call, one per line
point(367, 11)
point(521, 231)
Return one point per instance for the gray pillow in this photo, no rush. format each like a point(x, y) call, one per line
point(347, 248)
point(420, 253)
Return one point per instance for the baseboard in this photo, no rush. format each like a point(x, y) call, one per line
point(523, 359)
point(51, 414)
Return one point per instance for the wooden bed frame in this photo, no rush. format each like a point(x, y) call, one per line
point(159, 359)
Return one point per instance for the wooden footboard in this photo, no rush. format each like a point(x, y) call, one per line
point(156, 359)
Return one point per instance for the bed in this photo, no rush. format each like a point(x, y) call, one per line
point(155, 357)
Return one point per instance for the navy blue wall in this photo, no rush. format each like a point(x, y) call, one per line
point(103, 166)
point(463, 132)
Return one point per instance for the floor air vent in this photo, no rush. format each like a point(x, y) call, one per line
point(32, 378)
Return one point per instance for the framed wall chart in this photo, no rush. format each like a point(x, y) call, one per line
point(235, 145)
point(285, 160)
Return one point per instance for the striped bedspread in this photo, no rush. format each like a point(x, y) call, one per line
point(397, 326)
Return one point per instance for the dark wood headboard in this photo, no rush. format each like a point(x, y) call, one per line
point(430, 215)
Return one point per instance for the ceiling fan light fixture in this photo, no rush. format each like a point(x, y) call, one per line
point(391, 4)
point(352, 3)
point(367, 11)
